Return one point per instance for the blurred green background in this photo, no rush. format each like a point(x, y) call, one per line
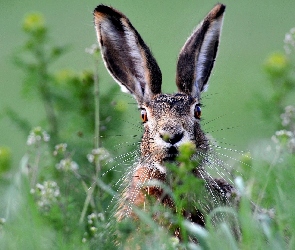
point(251, 31)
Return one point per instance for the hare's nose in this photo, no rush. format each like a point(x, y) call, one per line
point(172, 139)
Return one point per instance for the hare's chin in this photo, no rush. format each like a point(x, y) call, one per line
point(172, 152)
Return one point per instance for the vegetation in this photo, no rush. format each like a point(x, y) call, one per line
point(61, 195)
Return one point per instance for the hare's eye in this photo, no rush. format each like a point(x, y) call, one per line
point(144, 115)
point(198, 111)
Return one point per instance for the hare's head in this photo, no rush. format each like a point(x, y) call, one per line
point(169, 119)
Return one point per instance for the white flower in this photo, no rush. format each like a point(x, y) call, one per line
point(46, 136)
point(37, 135)
point(289, 41)
point(100, 154)
point(60, 148)
point(67, 165)
point(92, 216)
point(101, 216)
point(39, 186)
point(46, 194)
point(284, 138)
point(288, 117)
point(90, 158)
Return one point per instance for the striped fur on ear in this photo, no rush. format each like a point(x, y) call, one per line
point(196, 58)
point(125, 54)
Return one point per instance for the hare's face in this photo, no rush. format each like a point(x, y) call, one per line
point(171, 120)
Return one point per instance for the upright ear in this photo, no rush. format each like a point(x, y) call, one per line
point(126, 56)
point(198, 54)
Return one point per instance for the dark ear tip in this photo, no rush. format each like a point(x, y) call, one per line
point(103, 10)
point(100, 8)
point(220, 9)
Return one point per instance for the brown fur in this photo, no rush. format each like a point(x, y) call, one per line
point(171, 119)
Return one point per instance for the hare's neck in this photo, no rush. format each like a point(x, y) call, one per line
point(152, 167)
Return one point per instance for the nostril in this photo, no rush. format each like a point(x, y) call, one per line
point(176, 138)
point(172, 139)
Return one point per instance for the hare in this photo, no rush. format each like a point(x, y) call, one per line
point(169, 120)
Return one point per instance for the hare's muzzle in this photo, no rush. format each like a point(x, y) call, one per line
point(172, 139)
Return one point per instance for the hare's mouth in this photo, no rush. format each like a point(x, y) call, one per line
point(172, 153)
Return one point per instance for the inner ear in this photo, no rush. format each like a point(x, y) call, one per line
point(126, 56)
point(196, 58)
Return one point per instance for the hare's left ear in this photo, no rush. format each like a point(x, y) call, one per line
point(125, 54)
point(198, 54)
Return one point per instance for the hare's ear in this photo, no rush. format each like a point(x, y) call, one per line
point(125, 54)
point(198, 54)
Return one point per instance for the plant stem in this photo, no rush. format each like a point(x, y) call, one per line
point(35, 168)
point(46, 96)
point(97, 120)
point(96, 101)
point(90, 191)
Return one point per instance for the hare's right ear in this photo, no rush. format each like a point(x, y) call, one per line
point(198, 54)
point(126, 56)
